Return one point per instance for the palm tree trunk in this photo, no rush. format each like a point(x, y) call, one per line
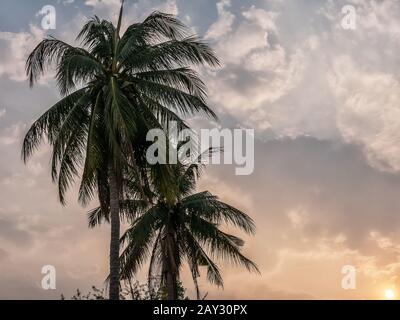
point(115, 235)
point(172, 292)
point(170, 265)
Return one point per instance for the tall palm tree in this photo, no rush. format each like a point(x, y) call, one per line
point(186, 229)
point(114, 89)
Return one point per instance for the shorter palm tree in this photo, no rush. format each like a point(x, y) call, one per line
point(187, 229)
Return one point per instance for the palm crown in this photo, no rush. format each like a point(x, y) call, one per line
point(129, 84)
point(114, 89)
point(188, 230)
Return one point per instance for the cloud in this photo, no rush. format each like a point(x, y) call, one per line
point(139, 10)
point(325, 98)
point(304, 81)
point(134, 12)
point(11, 134)
point(14, 50)
point(369, 111)
point(224, 23)
point(107, 5)
point(234, 44)
point(364, 81)
point(257, 69)
point(298, 217)
point(11, 232)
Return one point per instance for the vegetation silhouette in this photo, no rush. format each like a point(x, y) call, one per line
point(187, 229)
point(115, 88)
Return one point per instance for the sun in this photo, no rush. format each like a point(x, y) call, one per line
point(389, 294)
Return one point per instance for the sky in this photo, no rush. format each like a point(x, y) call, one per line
point(324, 101)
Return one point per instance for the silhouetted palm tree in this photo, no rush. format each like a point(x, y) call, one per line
point(187, 229)
point(115, 88)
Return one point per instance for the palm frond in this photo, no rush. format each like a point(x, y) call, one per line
point(220, 244)
point(53, 51)
point(198, 256)
point(47, 126)
point(95, 155)
point(169, 55)
point(97, 217)
point(207, 206)
point(178, 100)
point(139, 240)
point(98, 35)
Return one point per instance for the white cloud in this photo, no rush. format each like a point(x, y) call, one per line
point(384, 243)
point(224, 22)
point(233, 45)
point(14, 49)
point(265, 19)
point(142, 8)
point(246, 51)
point(307, 83)
point(99, 4)
point(368, 111)
point(109, 9)
point(2, 113)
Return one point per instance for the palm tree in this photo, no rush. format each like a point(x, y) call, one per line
point(114, 89)
point(187, 229)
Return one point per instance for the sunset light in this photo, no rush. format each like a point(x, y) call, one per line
point(390, 294)
point(214, 150)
